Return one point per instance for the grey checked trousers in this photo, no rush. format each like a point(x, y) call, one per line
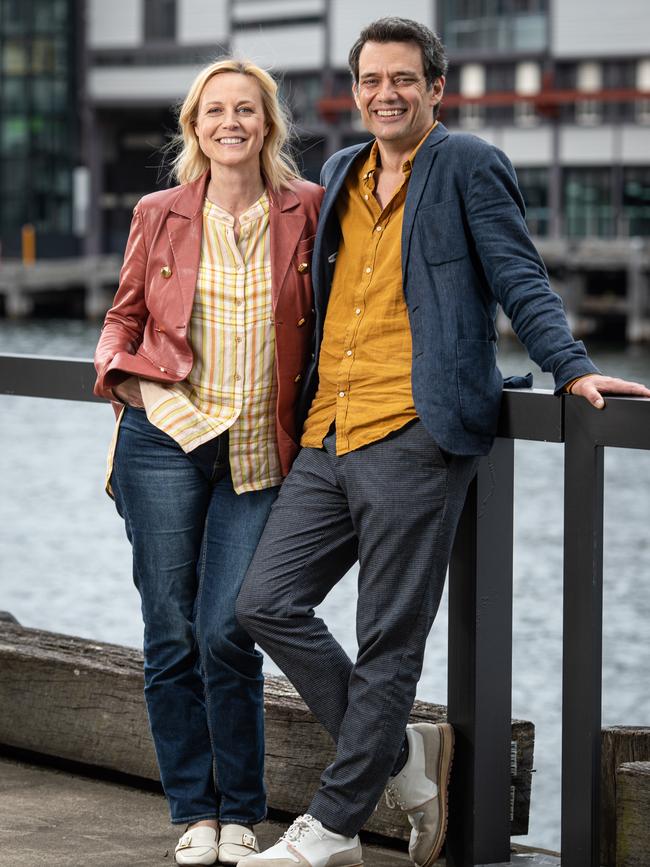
point(394, 506)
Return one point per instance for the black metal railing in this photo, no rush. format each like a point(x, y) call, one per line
point(480, 607)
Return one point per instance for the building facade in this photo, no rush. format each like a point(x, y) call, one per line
point(563, 86)
point(40, 130)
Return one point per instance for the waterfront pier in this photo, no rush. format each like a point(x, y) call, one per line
point(480, 616)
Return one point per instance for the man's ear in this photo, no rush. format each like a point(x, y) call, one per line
point(437, 89)
point(355, 94)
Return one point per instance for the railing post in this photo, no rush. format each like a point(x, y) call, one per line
point(480, 666)
point(582, 637)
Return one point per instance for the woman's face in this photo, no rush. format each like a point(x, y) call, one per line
point(230, 124)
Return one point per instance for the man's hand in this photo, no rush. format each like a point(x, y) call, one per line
point(129, 392)
point(594, 385)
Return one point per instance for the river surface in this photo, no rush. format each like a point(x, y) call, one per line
point(65, 562)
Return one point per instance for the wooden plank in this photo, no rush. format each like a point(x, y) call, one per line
point(633, 814)
point(83, 701)
point(619, 745)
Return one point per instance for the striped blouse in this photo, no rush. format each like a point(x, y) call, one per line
point(232, 385)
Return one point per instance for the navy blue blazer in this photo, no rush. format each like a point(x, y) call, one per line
point(465, 249)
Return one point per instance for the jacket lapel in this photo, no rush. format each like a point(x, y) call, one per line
point(328, 228)
point(185, 232)
point(286, 228)
point(422, 164)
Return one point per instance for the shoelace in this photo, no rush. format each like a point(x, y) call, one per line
point(299, 828)
point(393, 799)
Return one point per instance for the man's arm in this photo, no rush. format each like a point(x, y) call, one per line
point(519, 281)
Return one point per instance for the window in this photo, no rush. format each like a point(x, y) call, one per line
point(589, 112)
point(160, 20)
point(505, 25)
point(533, 183)
point(471, 115)
point(636, 201)
point(588, 210)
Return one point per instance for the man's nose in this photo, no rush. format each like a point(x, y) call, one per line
point(386, 89)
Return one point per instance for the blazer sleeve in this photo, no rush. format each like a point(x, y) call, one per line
point(515, 271)
point(124, 323)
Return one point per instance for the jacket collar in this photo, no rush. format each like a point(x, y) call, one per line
point(190, 198)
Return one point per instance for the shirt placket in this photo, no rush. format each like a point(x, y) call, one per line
point(239, 301)
point(378, 219)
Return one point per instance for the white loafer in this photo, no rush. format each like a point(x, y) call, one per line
point(199, 845)
point(236, 842)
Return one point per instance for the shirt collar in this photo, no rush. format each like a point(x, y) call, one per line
point(373, 157)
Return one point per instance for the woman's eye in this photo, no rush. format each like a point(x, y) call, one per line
point(245, 110)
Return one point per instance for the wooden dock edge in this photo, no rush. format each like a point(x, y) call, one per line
point(82, 700)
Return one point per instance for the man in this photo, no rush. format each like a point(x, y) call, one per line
point(421, 234)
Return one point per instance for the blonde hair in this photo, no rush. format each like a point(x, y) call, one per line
point(278, 165)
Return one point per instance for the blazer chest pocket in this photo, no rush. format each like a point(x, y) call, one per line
point(441, 233)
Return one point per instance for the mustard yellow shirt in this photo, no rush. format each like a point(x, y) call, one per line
point(365, 360)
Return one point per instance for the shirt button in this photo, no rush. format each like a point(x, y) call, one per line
point(349, 352)
point(366, 196)
point(358, 311)
point(378, 228)
point(341, 394)
point(368, 269)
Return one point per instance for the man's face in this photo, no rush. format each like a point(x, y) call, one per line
point(392, 95)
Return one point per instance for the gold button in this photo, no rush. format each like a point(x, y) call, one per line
point(297, 378)
point(304, 266)
point(301, 321)
point(166, 271)
point(163, 369)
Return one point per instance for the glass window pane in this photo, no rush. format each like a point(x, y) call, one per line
point(588, 210)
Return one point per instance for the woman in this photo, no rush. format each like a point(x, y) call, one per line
point(204, 349)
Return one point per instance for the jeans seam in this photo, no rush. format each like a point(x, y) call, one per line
point(197, 621)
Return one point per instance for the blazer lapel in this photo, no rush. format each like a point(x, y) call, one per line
point(422, 164)
point(286, 229)
point(328, 226)
point(185, 232)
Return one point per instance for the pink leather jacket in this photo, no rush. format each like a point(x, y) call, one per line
point(145, 331)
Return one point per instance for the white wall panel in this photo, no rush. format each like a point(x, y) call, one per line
point(600, 28)
point(527, 147)
point(267, 9)
point(349, 17)
point(588, 147)
point(160, 85)
point(295, 47)
point(201, 21)
point(635, 145)
point(115, 23)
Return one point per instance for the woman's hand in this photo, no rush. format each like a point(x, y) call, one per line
point(128, 392)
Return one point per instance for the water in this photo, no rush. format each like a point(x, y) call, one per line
point(66, 562)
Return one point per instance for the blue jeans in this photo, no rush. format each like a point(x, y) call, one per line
point(193, 539)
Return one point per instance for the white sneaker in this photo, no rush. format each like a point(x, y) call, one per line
point(308, 844)
point(420, 788)
point(199, 845)
point(236, 842)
